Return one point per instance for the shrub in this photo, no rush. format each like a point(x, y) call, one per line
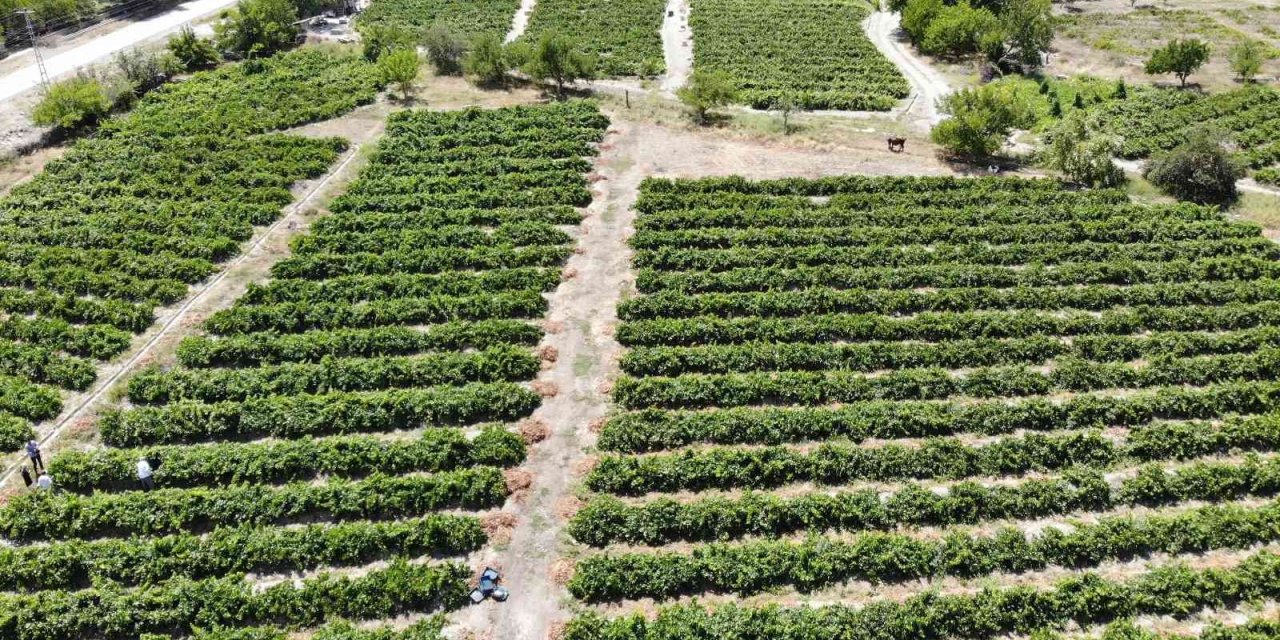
point(256, 28)
point(706, 90)
point(72, 103)
point(192, 51)
point(559, 59)
point(1083, 156)
point(979, 123)
point(1246, 59)
point(487, 61)
point(959, 29)
point(444, 49)
point(400, 67)
point(1200, 170)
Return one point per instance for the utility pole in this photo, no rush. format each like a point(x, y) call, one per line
point(35, 50)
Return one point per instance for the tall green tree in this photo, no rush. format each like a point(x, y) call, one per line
point(1027, 27)
point(256, 28)
point(1179, 57)
point(558, 58)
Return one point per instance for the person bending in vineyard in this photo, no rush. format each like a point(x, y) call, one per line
point(45, 482)
point(145, 475)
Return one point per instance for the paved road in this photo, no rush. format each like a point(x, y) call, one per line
point(104, 46)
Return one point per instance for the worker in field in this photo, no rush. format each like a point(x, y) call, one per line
point(45, 481)
point(33, 452)
point(145, 475)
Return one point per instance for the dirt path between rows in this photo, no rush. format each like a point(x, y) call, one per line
point(927, 85)
point(677, 45)
point(581, 323)
point(521, 20)
point(580, 328)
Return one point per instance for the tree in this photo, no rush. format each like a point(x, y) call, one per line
point(557, 58)
point(1179, 57)
point(444, 49)
point(1083, 156)
point(959, 29)
point(1027, 26)
point(706, 90)
point(980, 121)
point(1200, 170)
point(785, 106)
point(1246, 59)
point(257, 28)
point(487, 61)
point(72, 103)
point(146, 70)
point(377, 39)
point(400, 67)
point(192, 51)
point(917, 15)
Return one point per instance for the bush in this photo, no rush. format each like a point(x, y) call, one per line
point(399, 67)
point(14, 432)
point(1200, 170)
point(706, 90)
point(1246, 59)
point(378, 39)
point(981, 120)
point(1083, 156)
point(257, 28)
point(444, 50)
point(192, 51)
point(959, 29)
point(72, 103)
point(559, 59)
point(487, 61)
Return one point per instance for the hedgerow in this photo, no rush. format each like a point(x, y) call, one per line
point(175, 606)
point(218, 464)
point(953, 354)
point(815, 563)
point(654, 430)
point(978, 253)
point(824, 387)
point(946, 325)
point(46, 516)
point(78, 564)
point(322, 414)
point(606, 520)
point(889, 301)
point(313, 346)
point(1086, 598)
point(497, 364)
